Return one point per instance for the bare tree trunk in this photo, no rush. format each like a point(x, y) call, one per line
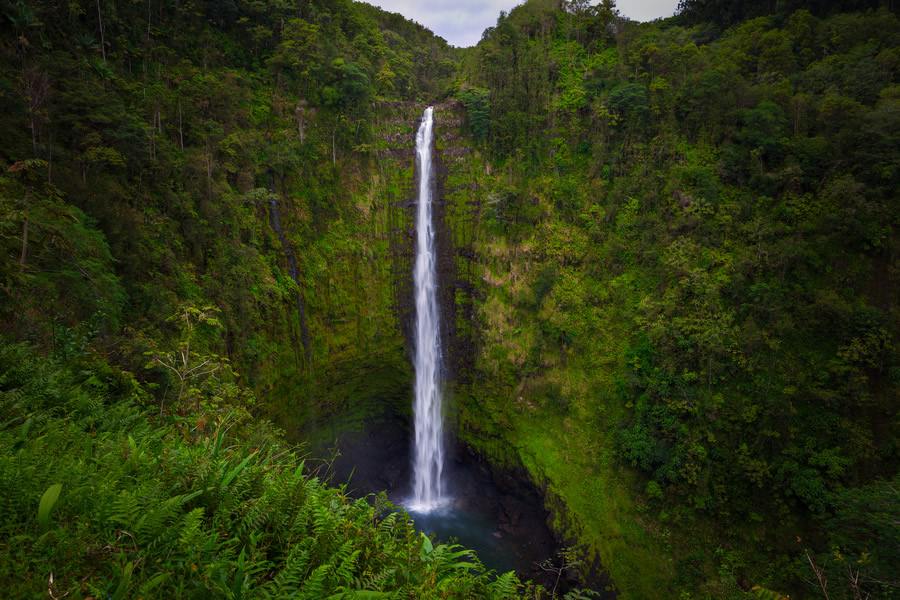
point(820, 575)
point(180, 127)
point(24, 256)
point(208, 170)
point(162, 403)
point(33, 135)
point(102, 36)
point(333, 150)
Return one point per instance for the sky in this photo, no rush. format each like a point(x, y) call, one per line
point(461, 22)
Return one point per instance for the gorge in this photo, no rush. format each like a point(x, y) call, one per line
point(455, 494)
point(295, 297)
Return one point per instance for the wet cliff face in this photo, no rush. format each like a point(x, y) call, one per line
point(454, 287)
point(456, 216)
point(372, 432)
point(355, 271)
point(361, 319)
point(367, 357)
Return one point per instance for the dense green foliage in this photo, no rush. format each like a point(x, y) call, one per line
point(687, 266)
point(674, 255)
point(187, 215)
point(216, 153)
point(724, 12)
point(99, 500)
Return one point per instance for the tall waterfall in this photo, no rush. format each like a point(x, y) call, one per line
point(428, 461)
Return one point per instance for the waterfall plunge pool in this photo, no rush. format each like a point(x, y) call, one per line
point(498, 515)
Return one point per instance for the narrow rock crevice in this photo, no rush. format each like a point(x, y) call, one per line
point(293, 270)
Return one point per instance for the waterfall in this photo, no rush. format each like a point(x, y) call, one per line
point(428, 461)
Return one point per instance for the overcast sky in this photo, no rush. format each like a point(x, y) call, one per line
point(461, 22)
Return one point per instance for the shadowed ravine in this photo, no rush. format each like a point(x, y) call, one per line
point(446, 489)
point(499, 516)
point(380, 445)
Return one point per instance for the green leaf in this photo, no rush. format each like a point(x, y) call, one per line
point(48, 501)
point(236, 471)
point(220, 438)
point(23, 435)
point(427, 547)
point(154, 582)
point(124, 582)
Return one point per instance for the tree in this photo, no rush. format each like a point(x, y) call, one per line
point(190, 361)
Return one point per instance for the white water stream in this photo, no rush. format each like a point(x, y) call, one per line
point(428, 460)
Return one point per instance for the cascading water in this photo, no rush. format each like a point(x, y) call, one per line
point(506, 525)
point(428, 461)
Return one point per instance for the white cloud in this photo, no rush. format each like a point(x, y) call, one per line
point(461, 22)
point(647, 10)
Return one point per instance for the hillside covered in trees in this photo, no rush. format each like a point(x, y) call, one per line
point(670, 261)
point(686, 274)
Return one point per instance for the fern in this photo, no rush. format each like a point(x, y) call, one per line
point(314, 587)
point(289, 579)
point(345, 559)
point(579, 594)
point(505, 586)
point(162, 514)
point(191, 528)
point(363, 595)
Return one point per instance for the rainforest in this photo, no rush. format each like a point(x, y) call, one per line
point(297, 300)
